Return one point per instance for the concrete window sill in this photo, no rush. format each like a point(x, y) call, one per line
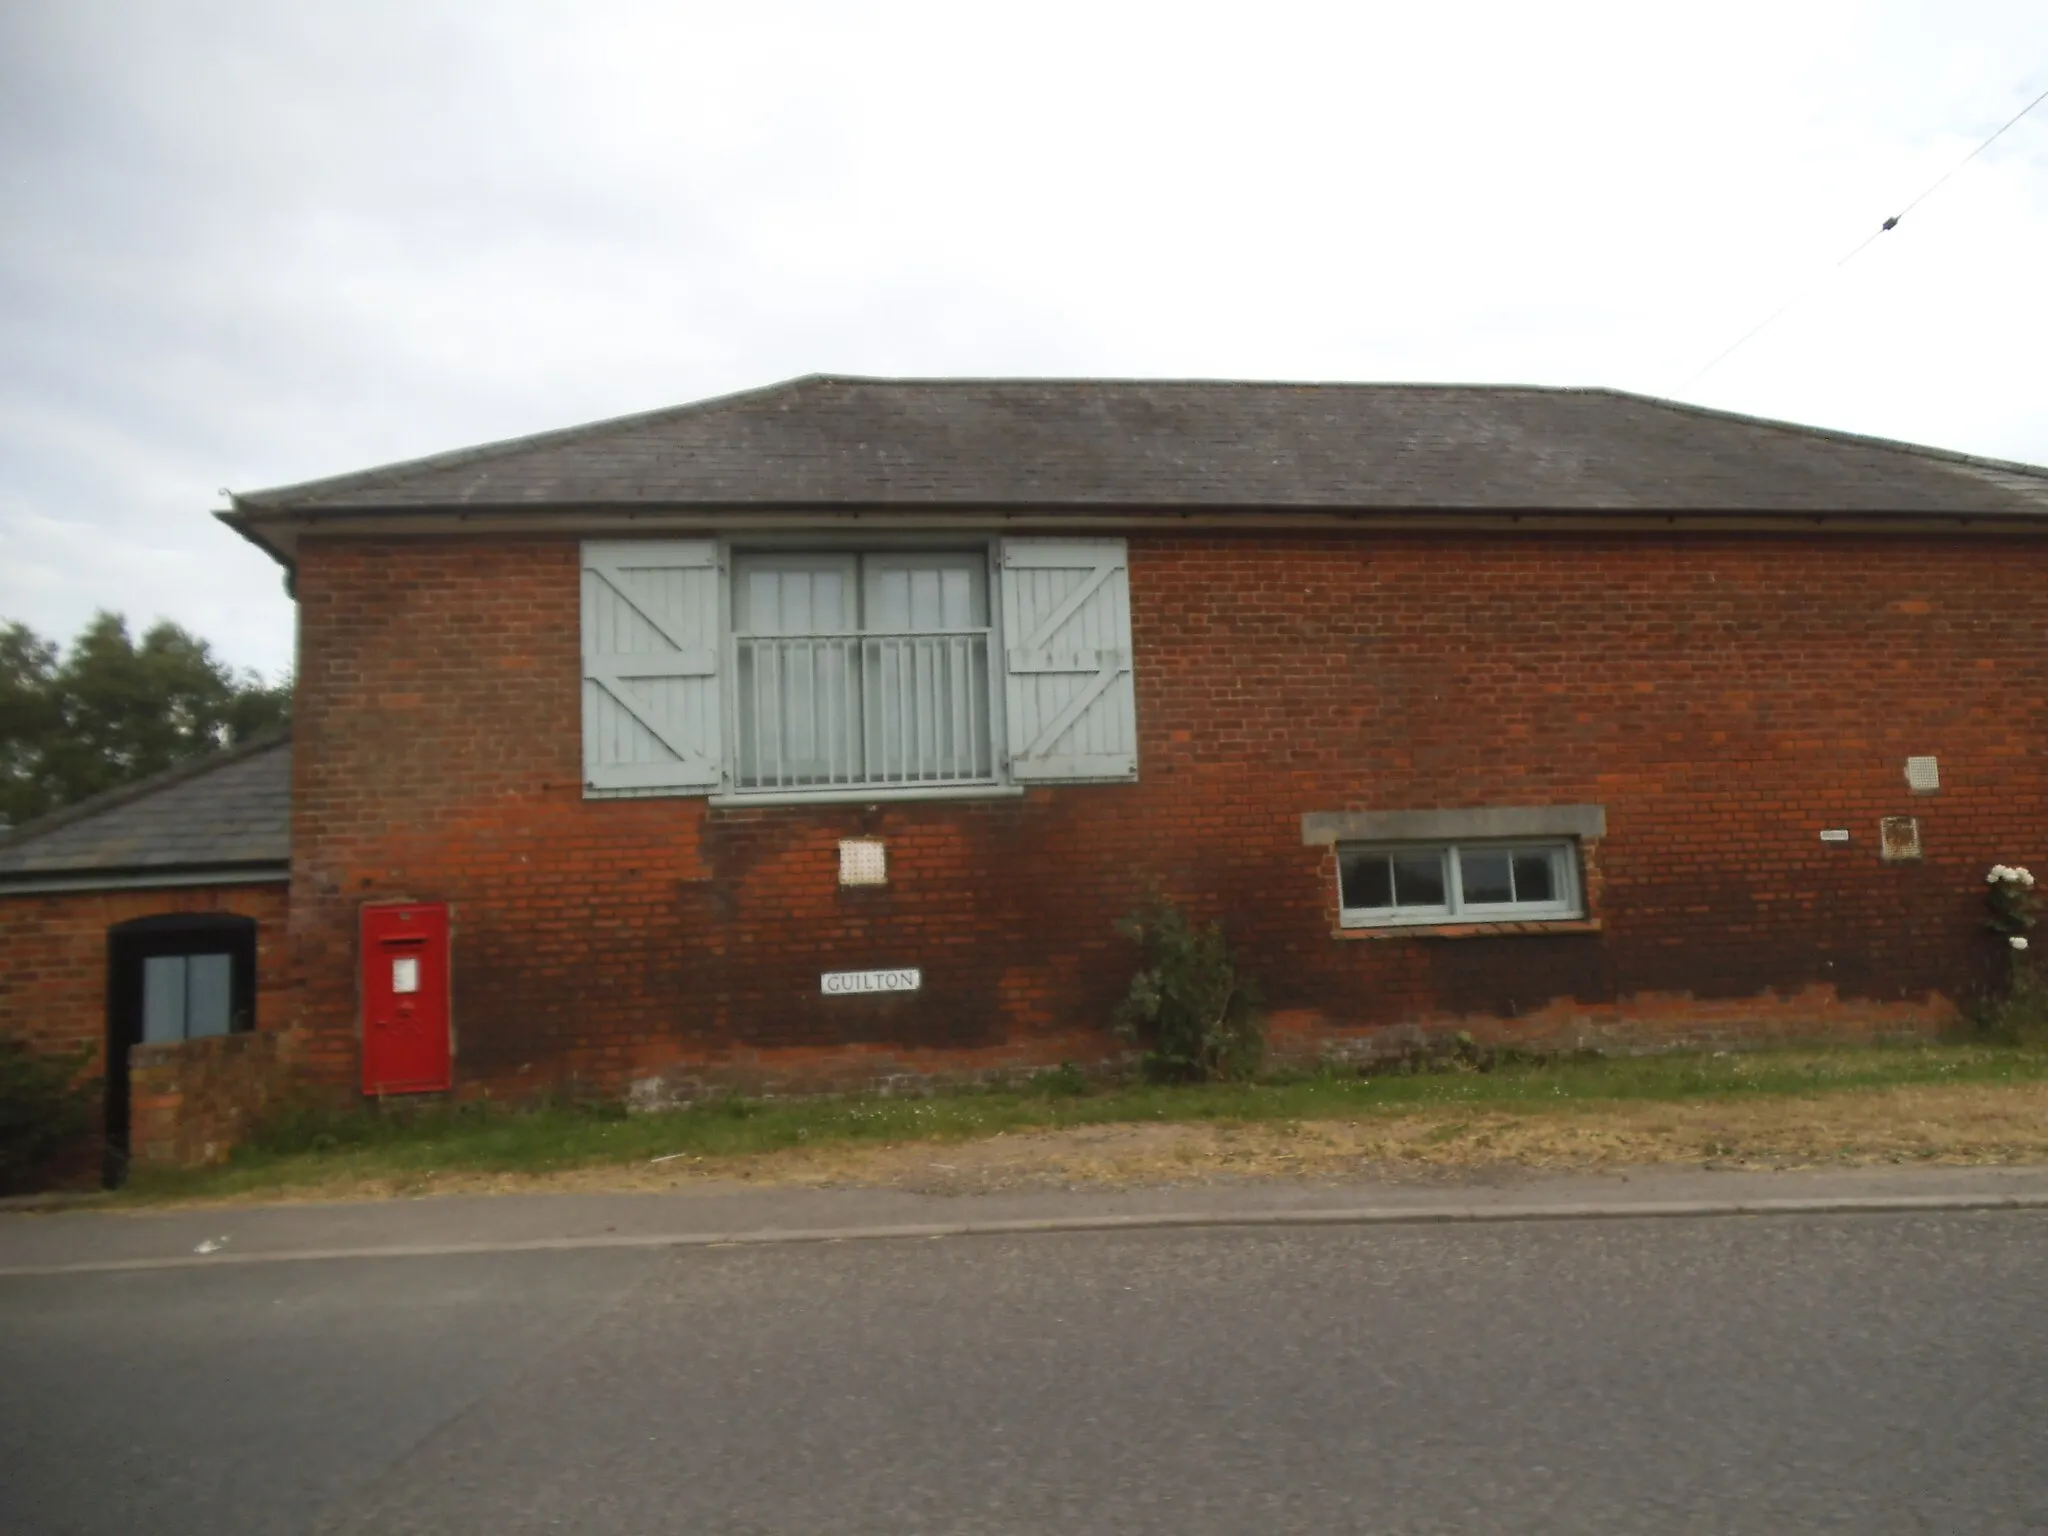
point(1471, 930)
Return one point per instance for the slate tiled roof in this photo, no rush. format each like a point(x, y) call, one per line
point(227, 812)
point(828, 441)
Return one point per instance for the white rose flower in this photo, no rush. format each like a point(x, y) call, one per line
point(2017, 942)
point(1997, 874)
point(2024, 878)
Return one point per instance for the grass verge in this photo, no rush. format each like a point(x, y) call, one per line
point(1948, 1103)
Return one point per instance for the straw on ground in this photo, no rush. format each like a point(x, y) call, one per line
point(1956, 1105)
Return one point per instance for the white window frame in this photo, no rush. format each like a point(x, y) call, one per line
point(736, 555)
point(1566, 905)
point(188, 994)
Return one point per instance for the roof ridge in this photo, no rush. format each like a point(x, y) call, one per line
point(1220, 381)
point(125, 794)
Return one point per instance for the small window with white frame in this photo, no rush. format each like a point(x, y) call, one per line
point(1407, 884)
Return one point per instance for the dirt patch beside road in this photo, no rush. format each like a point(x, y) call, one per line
point(1937, 1125)
point(1955, 1125)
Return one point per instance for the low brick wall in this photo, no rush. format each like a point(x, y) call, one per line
point(1640, 1024)
point(192, 1101)
point(1296, 1038)
point(861, 1069)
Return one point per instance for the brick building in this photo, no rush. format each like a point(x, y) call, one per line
point(148, 924)
point(1512, 710)
point(1563, 716)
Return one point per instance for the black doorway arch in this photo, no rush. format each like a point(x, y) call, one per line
point(130, 946)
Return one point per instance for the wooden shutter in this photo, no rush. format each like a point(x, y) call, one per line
point(1067, 659)
point(651, 716)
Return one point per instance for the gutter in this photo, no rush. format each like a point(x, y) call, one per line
point(238, 517)
point(55, 883)
point(277, 530)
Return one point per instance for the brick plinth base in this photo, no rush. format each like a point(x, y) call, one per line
point(193, 1102)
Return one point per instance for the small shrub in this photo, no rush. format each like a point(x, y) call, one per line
point(729, 1105)
point(1460, 1053)
point(44, 1104)
point(1065, 1081)
point(1194, 1014)
point(2009, 894)
point(2020, 1015)
point(309, 1124)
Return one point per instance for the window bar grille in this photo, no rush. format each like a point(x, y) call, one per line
point(777, 692)
point(877, 709)
point(817, 744)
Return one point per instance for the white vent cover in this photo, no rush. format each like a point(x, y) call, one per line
point(863, 861)
point(1923, 775)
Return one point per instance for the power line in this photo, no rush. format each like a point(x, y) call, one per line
point(1973, 154)
point(1889, 224)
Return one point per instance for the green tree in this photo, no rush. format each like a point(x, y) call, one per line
point(110, 711)
point(28, 710)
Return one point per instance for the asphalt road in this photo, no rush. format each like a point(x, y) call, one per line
point(1855, 1373)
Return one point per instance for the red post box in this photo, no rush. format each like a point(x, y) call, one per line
point(407, 1046)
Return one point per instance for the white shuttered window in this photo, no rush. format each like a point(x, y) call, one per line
point(823, 673)
point(1067, 636)
point(650, 666)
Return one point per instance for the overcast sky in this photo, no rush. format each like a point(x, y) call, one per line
point(250, 243)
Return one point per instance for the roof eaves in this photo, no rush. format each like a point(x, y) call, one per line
point(1134, 509)
point(56, 879)
point(249, 528)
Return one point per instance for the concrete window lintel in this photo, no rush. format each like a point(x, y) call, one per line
point(1319, 828)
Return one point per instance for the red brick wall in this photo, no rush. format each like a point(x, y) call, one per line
point(53, 977)
point(53, 984)
point(1724, 699)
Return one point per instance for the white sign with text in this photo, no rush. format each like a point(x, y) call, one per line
point(847, 983)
